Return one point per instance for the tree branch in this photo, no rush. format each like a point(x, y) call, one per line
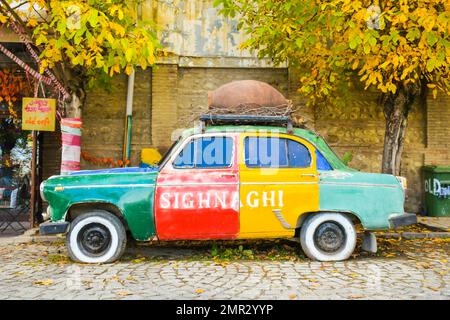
point(20, 4)
point(40, 15)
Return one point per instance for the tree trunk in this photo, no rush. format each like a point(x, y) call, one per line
point(71, 150)
point(73, 107)
point(74, 81)
point(396, 109)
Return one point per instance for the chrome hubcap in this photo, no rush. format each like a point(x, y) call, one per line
point(94, 239)
point(329, 237)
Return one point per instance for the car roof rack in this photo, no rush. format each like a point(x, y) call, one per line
point(236, 119)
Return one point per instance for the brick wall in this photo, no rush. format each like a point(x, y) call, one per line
point(164, 104)
point(438, 131)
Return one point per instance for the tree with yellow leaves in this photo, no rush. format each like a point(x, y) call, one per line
point(399, 47)
point(82, 43)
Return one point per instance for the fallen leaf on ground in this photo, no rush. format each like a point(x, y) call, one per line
point(293, 296)
point(199, 291)
point(139, 260)
point(356, 296)
point(424, 265)
point(46, 282)
point(124, 293)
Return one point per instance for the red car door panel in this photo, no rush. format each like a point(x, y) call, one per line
point(198, 203)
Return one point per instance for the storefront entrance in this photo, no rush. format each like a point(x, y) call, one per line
point(18, 211)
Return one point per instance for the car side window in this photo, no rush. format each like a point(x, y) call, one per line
point(322, 163)
point(206, 152)
point(265, 152)
point(272, 152)
point(213, 152)
point(299, 156)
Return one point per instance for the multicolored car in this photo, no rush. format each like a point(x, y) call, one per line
point(227, 181)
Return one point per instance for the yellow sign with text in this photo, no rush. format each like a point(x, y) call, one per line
point(38, 114)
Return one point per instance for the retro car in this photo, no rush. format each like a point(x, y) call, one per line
point(232, 178)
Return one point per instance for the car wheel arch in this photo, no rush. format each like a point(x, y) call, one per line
point(302, 218)
point(77, 209)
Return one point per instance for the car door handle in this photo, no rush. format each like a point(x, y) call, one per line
point(228, 175)
point(308, 175)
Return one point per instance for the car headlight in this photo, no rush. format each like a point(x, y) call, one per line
point(403, 182)
point(48, 214)
point(41, 191)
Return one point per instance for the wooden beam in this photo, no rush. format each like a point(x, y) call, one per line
point(7, 35)
point(33, 180)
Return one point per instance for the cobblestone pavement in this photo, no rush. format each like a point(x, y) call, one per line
point(414, 269)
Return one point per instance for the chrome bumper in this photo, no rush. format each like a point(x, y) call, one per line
point(406, 219)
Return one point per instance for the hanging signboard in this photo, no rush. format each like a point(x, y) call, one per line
point(38, 114)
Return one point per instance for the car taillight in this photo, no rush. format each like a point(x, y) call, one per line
point(403, 182)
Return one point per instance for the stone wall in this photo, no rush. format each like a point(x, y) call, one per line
point(181, 93)
point(104, 119)
point(165, 99)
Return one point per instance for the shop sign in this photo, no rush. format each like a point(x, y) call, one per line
point(38, 114)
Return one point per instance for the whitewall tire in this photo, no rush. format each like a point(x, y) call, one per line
point(96, 237)
point(328, 236)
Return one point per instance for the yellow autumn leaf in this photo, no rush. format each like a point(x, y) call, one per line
point(3, 18)
point(128, 54)
point(199, 291)
point(435, 93)
point(46, 282)
point(151, 59)
point(128, 71)
point(139, 260)
point(389, 255)
point(433, 288)
point(113, 9)
point(32, 22)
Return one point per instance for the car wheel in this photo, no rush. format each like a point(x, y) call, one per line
point(328, 237)
point(96, 237)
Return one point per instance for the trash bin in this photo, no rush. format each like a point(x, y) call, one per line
point(437, 190)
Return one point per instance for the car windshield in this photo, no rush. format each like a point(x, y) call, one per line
point(331, 156)
point(167, 154)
